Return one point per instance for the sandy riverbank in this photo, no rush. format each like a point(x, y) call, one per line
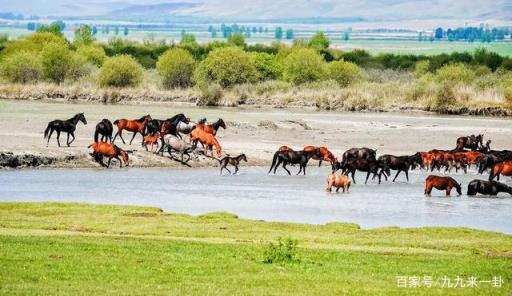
point(257, 132)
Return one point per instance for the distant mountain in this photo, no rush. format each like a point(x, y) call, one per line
point(236, 10)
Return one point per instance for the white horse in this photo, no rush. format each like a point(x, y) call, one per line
point(174, 143)
point(187, 128)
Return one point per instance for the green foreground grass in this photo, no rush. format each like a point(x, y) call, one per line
point(68, 248)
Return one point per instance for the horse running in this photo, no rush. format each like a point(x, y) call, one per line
point(105, 129)
point(292, 157)
point(151, 139)
point(179, 145)
point(234, 161)
point(208, 140)
point(212, 128)
point(109, 150)
point(441, 183)
point(487, 188)
point(338, 181)
point(135, 126)
point(68, 126)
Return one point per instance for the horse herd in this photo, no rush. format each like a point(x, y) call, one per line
point(169, 135)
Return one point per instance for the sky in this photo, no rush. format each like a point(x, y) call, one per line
point(272, 9)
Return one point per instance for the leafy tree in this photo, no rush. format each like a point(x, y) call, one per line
point(345, 73)
point(346, 36)
point(125, 31)
point(278, 34)
point(84, 35)
point(267, 65)
point(56, 61)
point(303, 65)
point(454, 73)
point(214, 33)
point(439, 33)
point(21, 67)
point(319, 41)
point(31, 26)
point(176, 68)
point(93, 54)
point(116, 30)
point(188, 39)
point(54, 28)
point(120, 71)
point(226, 66)
point(237, 39)
point(289, 34)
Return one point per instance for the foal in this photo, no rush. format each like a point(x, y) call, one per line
point(234, 161)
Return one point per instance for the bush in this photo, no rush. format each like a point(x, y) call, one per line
point(267, 65)
point(93, 54)
point(507, 94)
point(455, 73)
point(303, 65)
point(445, 97)
point(486, 81)
point(21, 67)
point(34, 42)
point(210, 95)
point(120, 71)
point(237, 39)
point(345, 73)
point(421, 68)
point(56, 61)
point(226, 66)
point(319, 41)
point(285, 251)
point(176, 67)
point(78, 67)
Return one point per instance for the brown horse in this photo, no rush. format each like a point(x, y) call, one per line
point(441, 183)
point(153, 140)
point(135, 126)
point(208, 140)
point(472, 142)
point(338, 181)
point(101, 149)
point(212, 128)
point(326, 154)
point(232, 160)
point(501, 168)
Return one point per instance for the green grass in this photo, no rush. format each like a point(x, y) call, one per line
point(50, 248)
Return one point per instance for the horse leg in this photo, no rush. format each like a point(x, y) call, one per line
point(49, 136)
point(367, 176)
point(278, 163)
point(58, 138)
point(448, 190)
point(72, 135)
point(407, 175)
point(284, 167)
point(304, 168)
point(109, 160)
point(133, 137)
point(320, 163)
point(353, 176)
point(428, 189)
point(120, 162)
point(396, 176)
point(236, 169)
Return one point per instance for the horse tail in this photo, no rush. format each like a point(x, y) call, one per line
point(274, 160)
point(47, 130)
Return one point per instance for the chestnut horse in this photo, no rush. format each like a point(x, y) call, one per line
point(151, 139)
point(338, 181)
point(441, 183)
point(135, 126)
point(501, 168)
point(212, 128)
point(101, 149)
point(326, 154)
point(208, 140)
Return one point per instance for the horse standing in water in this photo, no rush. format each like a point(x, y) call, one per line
point(134, 126)
point(105, 129)
point(441, 183)
point(68, 126)
point(101, 149)
point(234, 161)
point(293, 157)
point(487, 187)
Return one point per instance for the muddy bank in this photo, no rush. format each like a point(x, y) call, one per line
point(11, 160)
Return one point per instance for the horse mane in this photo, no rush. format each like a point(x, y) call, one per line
point(142, 119)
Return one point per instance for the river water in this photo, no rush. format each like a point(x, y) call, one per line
point(255, 195)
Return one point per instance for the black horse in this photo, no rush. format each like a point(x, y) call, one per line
point(169, 127)
point(471, 142)
point(152, 127)
point(370, 166)
point(487, 161)
point(68, 126)
point(398, 163)
point(232, 160)
point(487, 187)
point(358, 153)
point(105, 129)
point(293, 157)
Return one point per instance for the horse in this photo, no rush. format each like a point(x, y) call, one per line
point(68, 126)
point(151, 139)
point(501, 168)
point(471, 142)
point(361, 164)
point(208, 140)
point(234, 161)
point(109, 150)
point(135, 126)
point(441, 183)
point(212, 128)
point(293, 157)
point(105, 129)
point(338, 181)
point(487, 187)
point(398, 163)
point(186, 128)
point(326, 154)
point(152, 126)
point(178, 145)
point(169, 127)
point(358, 153)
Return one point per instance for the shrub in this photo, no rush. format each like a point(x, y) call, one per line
point(319, 41)
point(284, 251)
point(507, 94)
point(93, 54)
point(303, 65)
point(226, 66)
point(445, 97)
point(34, 42)
point(56, 60)
point(210, 95)
point(120, 71)
point(455, 73)
point(78, 67)
point(176, 67)
point(267, 65)
point(237, 39)
point(345, 73)
point(486, 81)
point(421, 68)
point(21, 67)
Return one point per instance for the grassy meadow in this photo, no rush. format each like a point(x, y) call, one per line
point(68, 248)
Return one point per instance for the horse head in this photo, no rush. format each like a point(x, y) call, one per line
point(221, 123)
point(81, 117)
point(243, 157)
